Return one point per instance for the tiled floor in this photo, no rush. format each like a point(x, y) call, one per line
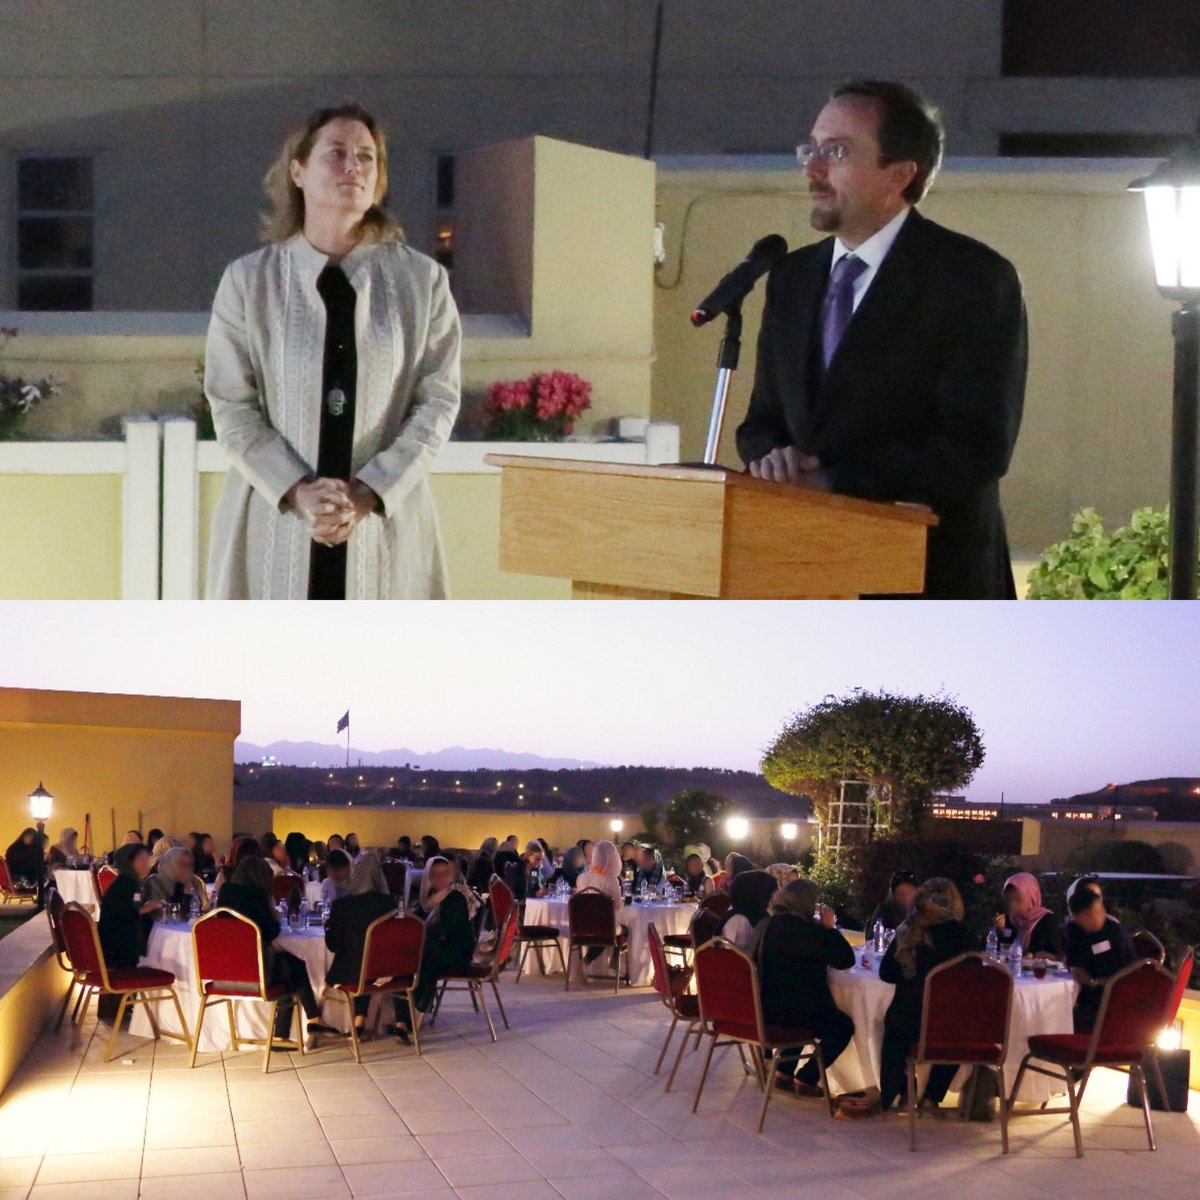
point(564, 1106)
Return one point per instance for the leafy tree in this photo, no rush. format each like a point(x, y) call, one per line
point(914, 745)
point(1136, 858)
point(694, 816)
point(650, 816)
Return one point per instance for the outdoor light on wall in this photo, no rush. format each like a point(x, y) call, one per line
point(41, 804)
point(737, 828)
point(616, 825)
point(1172, 193)
point(788, 831)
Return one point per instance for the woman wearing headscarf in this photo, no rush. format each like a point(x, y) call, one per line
point(603, 875)
point(175, 881)
point(126, 909)
point(448, 908)
point(479, 876)
point(750, 896)
point(696, 880)
point(794, 950)
point(65, 849)
point(366, 899)
point(735, 864)
point(1026, 919)
point(902, 892)
point(249, 892)
point(24, 857)
point(933, 933)
point(782, 873)
point(573, 865)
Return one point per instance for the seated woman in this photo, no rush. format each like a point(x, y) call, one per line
point(794, 950)
point(750, 896)
point(603, 875)
point(365, 899)
point(204, 855)
point(430, 847)
point(733, 866)
point(480, 875)
point(449, 908)
point(298, 849)
point(159, 847)
point(126, 909)
point(1026, 919)
point(240, 849)
point(525, 876)
point(933, 934)
point(65, 849)
point(353, 847)
point(175, 881)
point(902, 893)
point(1096, 948)
point(249, 892)
point(338, 871)
point(24, 858)
point(782, 873)
point(697, 882)
point(573, 865)
point(277, 858)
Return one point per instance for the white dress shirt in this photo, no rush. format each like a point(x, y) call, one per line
point(873, 251)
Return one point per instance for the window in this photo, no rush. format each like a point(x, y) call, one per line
point(1116, 39)
point(55, 234)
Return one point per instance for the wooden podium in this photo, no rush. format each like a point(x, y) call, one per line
point(620, 531)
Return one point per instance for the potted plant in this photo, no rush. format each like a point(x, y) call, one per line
point(541, 408)
point(17, 394)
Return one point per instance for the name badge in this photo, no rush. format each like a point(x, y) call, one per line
point(1101, 947)
point(137, 897)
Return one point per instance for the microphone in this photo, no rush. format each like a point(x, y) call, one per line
point(739, 283)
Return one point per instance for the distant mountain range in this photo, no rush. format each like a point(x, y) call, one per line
point(451, 758)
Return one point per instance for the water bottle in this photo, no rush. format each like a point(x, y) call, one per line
point(993, 944)
point(304, 913)
point(877, 936)
point(194, 907)
point(1014, 960)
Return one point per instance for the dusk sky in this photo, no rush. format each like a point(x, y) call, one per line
point(1069, 696)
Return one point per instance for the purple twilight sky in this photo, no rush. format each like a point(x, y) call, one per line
point(1069, 696)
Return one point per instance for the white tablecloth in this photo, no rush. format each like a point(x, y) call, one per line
point(1039, 1006)
point(170, 948)
point(76, 887)
point(412, 886)
point(668, 918)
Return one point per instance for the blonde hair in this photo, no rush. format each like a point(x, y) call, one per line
point(285, 217)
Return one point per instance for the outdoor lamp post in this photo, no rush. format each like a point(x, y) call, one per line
point(738, 828)
point(1172, 193)
point(41, 804)
point(616, 825)
point(788, 831)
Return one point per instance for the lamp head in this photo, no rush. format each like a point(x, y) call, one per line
point(738, 828)
point(1172, 195)
point(41, 803)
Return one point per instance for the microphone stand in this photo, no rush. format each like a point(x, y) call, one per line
point(727, 362)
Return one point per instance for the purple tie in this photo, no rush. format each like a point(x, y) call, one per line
point(838, 305)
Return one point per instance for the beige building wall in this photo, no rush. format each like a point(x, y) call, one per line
point(1048, 843)
point(129, 761)
point(1096, 429)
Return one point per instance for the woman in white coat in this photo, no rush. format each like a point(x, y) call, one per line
point(332, 371)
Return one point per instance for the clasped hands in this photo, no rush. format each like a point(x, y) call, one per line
point(789, 464)
point(332, 508)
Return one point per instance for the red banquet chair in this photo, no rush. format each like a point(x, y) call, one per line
point(529, 937)
point(592, 921)
point(500, 900)
point(731, 1008)
point(1146, 945)
point(287, 887)
point(670, 982)
point(1133, 1009)
point(704, 926)
point(105, 877)
point(391, 963)
point(9, 892)
point(135, 985)
point(476, 974)
point(964, 1022)
point(716, 902)
point(230, 967)
point(55, 906)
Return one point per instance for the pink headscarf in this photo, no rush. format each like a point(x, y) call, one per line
point(1028, 888)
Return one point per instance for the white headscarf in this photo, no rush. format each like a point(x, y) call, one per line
point(606, 859)
point(429, 900)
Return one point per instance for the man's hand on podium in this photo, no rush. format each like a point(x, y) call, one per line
point(789, 464)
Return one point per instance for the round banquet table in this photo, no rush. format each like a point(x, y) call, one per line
point(1039, 1006)
point(412, 885)
point(77, 887)
point(170, 948)
point(668, 918)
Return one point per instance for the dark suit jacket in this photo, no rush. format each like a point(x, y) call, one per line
point(254, 903)
point(346, 932)
point(922, 401)
point(794, 954)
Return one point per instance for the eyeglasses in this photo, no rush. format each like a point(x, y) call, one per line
point(825, 152)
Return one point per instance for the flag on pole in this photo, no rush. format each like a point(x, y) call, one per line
point(344, 723)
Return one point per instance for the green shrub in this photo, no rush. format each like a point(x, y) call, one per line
point(1091, 564)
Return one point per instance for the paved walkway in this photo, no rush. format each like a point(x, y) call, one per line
point(564, 1106)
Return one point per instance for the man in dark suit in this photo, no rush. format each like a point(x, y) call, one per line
point(892, 356)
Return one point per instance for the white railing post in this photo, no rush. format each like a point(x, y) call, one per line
point(180, 510)
point(140, 510)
